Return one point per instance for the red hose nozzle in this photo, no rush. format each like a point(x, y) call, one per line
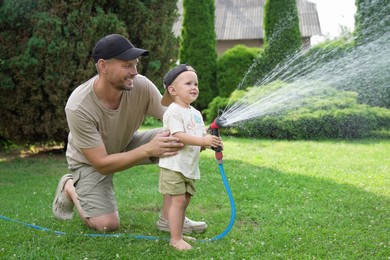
point(219, 122)
point(214, 125)
point(214, 131)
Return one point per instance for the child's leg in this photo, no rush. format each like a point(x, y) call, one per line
point(188, 198)
point(176, 220)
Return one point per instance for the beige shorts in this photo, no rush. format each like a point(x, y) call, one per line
point(175, 183)
point(96, 191)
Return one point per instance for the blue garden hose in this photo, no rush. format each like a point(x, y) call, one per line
point(233, 213)
point(232, 206)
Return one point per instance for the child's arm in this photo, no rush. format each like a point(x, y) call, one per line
point(204, 141)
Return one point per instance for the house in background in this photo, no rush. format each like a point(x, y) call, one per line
point(241, 22)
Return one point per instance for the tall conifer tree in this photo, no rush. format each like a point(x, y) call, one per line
point(281, 39)
point(372, 19)
point(281, 26)
point(198, 46)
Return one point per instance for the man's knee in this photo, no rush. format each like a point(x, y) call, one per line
point(105, 223)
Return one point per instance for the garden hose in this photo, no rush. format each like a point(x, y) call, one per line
point(214, 130)
point(224, 233)
point(219, 157)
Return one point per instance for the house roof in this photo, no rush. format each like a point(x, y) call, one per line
point(243, 19)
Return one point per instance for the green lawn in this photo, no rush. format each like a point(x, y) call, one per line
point(294, 200)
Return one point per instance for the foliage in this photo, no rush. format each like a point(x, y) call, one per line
point(198, 46)
point(5, 144)
point(216, 105)
point(281, 26)
point(337, 115)
point(151, 122)
point(372, 24)
point(232, 67)
point(258, 72)
point(219, 104)
point(282, 38)
point(320, 54)
point(375, 92)
point(45, 53)
point(368, 76)
point(326, 61)
point(372, 19)
point(149, 25)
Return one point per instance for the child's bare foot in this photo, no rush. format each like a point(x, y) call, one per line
point(181, 245)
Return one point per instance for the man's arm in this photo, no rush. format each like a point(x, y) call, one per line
point(162, 145)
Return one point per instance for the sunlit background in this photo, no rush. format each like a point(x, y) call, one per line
point(335, 17)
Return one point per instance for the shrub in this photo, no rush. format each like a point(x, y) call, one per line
point(151, 121)
point(218, 104)
point(320, 54)
point(337, 115)
point(371, 84)
point(232, 67)
point(45, 52)
point(212, 111)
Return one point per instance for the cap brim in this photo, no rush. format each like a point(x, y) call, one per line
point(132, 54)
point(166, 99)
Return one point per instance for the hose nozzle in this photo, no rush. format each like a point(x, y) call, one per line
point(219, 122)
point(213, 128)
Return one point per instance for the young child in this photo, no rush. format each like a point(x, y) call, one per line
point(178, 173)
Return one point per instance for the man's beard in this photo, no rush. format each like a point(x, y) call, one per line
point(127, 87)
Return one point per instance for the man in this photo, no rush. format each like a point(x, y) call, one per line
point(103, 116)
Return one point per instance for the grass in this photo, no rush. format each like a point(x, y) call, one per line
point(294, 200)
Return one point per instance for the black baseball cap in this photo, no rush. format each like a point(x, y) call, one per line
point(169, 78)
point(173, 74)
point(118, 47)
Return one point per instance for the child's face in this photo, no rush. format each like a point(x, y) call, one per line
point(184, 89)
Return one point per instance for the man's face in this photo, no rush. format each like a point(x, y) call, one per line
point(121, 73)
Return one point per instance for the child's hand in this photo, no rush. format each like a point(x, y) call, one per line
point(212, 141)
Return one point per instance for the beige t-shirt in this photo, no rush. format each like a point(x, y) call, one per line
point(91, 124)
point(187, 120)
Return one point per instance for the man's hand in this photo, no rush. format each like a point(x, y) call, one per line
point(164, 145)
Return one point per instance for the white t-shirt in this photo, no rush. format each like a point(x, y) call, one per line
point(187, 120)
point(91, 124)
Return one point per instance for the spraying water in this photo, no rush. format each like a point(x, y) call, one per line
point(294, 80)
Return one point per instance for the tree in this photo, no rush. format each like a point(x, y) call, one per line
point(45, 50)
point(198, 46)
point(281, 26)
point(372, 19)
point(282, 37)
point(372, 32)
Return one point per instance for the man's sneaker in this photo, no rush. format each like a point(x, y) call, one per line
point(62, 206)
point(188, 227)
